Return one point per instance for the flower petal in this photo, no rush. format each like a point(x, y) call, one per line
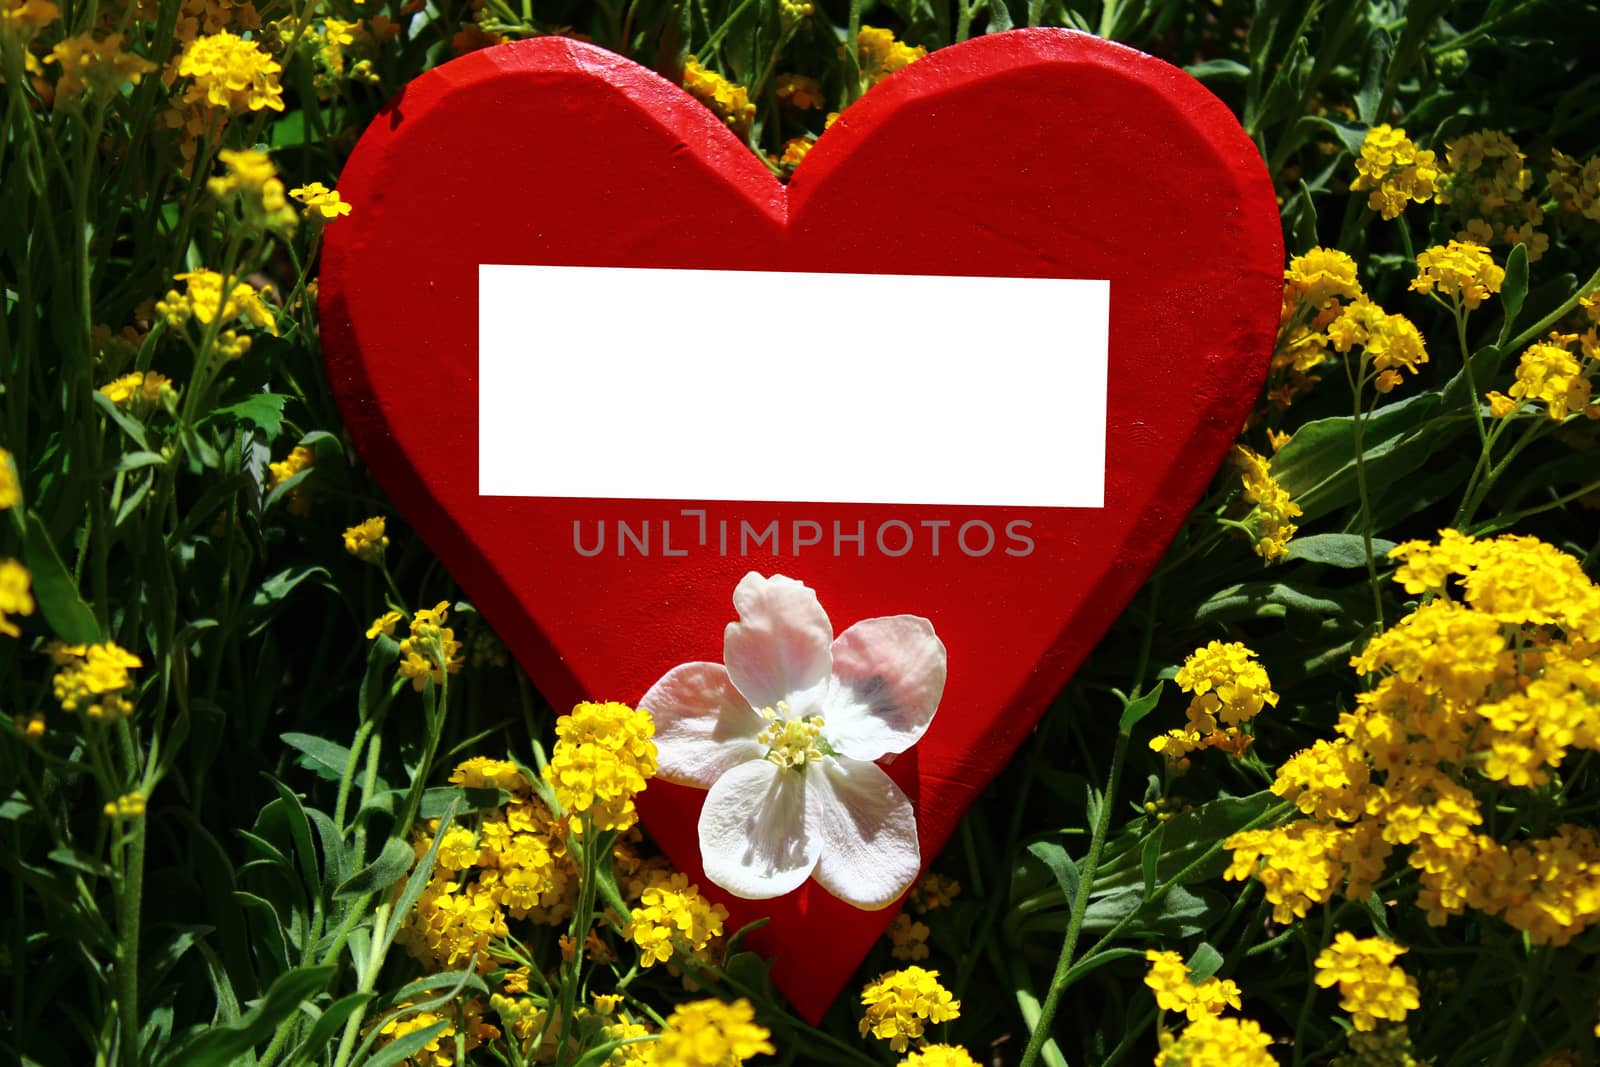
point(870, 854)
point(888, 676)
point(703, 726)
point(755, 839)
point(779, 648)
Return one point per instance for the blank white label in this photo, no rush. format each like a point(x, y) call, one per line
point(756, 385)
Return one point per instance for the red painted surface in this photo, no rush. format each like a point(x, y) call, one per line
point(1032, 153)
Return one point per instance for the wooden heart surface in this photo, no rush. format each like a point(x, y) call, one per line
point(1028, 154)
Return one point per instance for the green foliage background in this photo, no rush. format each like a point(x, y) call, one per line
point(223, 924)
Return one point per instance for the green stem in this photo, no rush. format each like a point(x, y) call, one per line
point(1357, 432)
point(1080, 906)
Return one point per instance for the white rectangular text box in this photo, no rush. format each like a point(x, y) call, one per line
point(753, 385)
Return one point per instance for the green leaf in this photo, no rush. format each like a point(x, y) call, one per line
point(1374, 69)
point(1205, 962)
point(125, 422)
point(329, 1023)
point(456, 981)
point(1218, 70)
point(1185, 838)
point(1337, 549)
point(1137, 708)
point(390, 866)
point(1066, 872)
point(80, 862)
point(1514, 290)
point(415, 884)
point(54, 590)
point(401, 1048)
point(263, 409)
point(1150, 858)
point(751, 971)
point(324, 757)
point(223, 1046)
point(999, 17)
point(130, 461)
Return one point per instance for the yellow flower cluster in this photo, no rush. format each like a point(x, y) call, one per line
point(321, 200)
point(880, 55)
point(1316, 288)
point(432, 649)
point(202, 299)
point(1176, 989)
point(1395, 171)
point(99, 67)
point(1575, 187)
point(1387, 1046)
point(1476, 695)
point(1371, 987)
point(367, 540)
point(908, 939)
point(603, 757)
point(232, 73)
point(1488, 189)
point(140, 392)
point(1217, 1041)
point(940, 1056)
point(1551, 373)
point(94, 679)
point(673, 918)
point(16, 595)
point(711, 1033)
point(795, 150)
point(127, 806)
point(515, 866)
point(901, 1004)
point(441, 1049)
point(730, 102)
point(933, 891)
point(300, 458)
point(1461, 270)
point(250, 186)
point(1229, 688)
point(1271, 519)
point(1390, 343)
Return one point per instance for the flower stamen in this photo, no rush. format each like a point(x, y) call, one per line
point(791, 743)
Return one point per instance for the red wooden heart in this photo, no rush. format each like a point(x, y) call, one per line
point(1037, 153)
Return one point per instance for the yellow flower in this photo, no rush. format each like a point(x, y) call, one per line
point(730, 102)
point(940, 1056)
point(94, 679)
point(97, 66)
point(795, 149)
point(1575, 188)
point(1461, 270)
point(1227, 683)
point(711, 1033)
point(300, 458)
point(320, 199)
point(908, 938)
point(900, 1004)
point(1370, 986)
point(1176, 990)
point(799, 91)
point(880, 55)
point(1551, 374)
point(1489, 190)
point(16, 595)
point(458, 850)
point(384, 624)
point(432, 649)
point(139, 392)
point(673, 917)
point(10, 485)
point(127, 806)
point(1395, 170)
point(367, 540)
point(482, 772)
point(230, 72)
point(251, 183)
point(1217, 1042)
point(932, 892)
point(1271, 519)
point(24, 18)
point(1389, 342)
point(603, 757)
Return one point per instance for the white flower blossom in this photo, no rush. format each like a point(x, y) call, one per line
point(784, 737)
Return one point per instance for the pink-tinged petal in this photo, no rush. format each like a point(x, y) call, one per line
point(754, 837)
point(888, 677)
point(870, 854)
point(779, 648)
point(703, 726)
